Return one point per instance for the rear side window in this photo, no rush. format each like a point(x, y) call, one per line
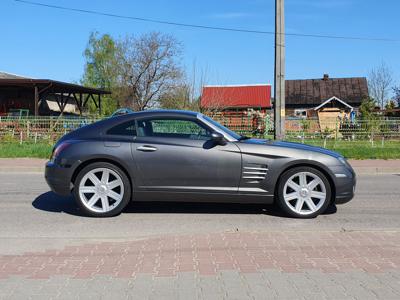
point(126, 129)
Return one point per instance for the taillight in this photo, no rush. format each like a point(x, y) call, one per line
point(57, 150)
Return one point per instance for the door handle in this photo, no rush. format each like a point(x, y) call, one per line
point(146, 148)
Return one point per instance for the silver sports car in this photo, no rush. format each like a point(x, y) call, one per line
point(168, 155)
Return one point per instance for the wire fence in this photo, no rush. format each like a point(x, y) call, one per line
point(40, 128)
point(51, 128)
point(372, 129)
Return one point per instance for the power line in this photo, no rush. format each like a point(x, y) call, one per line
point(205, 27)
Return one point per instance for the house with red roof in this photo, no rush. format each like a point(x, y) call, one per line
point(239, 107)
point(236, 98)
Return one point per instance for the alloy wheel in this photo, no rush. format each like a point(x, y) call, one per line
point(101, 190)
point(304, 193)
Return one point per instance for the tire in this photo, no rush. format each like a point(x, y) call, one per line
point(102, 190)
point(304, 192)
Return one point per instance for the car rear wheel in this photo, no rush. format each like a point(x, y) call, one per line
point(102, 190)
point(304, 192)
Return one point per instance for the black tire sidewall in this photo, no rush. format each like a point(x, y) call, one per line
point(127, 190)
point(289, 173)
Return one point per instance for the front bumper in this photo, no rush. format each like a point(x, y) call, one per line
point(345, 183)
point(58, 178)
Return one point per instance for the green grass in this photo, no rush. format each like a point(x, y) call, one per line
point(13, 149)
point(350, 149)
point(360, 149)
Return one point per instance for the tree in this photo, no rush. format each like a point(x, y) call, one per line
point(148, 67)
point(367, 108)
point(396, 98)
point(137, 70)
point(391, 104)
point(380, 80)
point(101, 68)
point(187, 94)
point(176, 98)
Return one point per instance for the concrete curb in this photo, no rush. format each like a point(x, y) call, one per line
point(22, 165)
point(376, 166)
point(361, 167)
point(377, 171)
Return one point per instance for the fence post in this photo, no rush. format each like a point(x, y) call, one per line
point(20, 139)
point(336, 131)
point(27, 129)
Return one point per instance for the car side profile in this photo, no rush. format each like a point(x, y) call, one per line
point(167, 155)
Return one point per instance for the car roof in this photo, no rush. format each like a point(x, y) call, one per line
point(113, 120)
point(101, 126)
point(166, 112)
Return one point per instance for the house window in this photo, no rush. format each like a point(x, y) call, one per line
point(300, 113)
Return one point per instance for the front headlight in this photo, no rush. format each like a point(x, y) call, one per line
point(342, 160)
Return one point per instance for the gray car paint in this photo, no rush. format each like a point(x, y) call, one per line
point(192, 170)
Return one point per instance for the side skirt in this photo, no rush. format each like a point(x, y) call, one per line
point(203, 197)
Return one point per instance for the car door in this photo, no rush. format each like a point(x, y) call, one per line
point(177, 155)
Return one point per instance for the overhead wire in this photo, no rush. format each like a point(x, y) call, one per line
point(204, 27)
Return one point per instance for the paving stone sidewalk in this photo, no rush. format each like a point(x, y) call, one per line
point(365, 167)
point(235, 265)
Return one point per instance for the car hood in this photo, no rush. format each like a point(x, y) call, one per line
point(292, 145)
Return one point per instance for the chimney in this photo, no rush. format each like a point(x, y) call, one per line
point(326, 76)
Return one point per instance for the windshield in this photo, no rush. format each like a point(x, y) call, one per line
point(223, 128)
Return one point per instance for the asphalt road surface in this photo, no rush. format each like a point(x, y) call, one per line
point(33, 218)
point(48, 250)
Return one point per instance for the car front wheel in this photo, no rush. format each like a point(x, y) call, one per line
point(304, 192)
point(102, 190)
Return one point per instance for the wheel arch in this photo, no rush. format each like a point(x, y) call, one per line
point(90, 161)
point(323, 170)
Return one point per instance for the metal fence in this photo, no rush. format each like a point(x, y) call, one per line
point(40, 128)
point(51, 128)
point(377, 128)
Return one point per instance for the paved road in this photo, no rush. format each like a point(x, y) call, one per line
point(32, 217)
point(164, 250)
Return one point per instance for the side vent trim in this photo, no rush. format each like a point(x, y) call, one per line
point(254, 173)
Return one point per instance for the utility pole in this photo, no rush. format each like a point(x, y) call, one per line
point(279, 93)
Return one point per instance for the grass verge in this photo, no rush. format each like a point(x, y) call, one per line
point(11, 150)
point(360, 149)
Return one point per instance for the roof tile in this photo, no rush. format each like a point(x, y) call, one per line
point(236, 96)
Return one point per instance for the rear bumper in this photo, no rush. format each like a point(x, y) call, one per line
point(58, 178)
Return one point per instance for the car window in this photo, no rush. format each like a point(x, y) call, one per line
point(127, 129)
point(173, 128)
point(221, 127)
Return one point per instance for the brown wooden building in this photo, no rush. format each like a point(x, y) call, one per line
point(303, 96)
point(43, 97)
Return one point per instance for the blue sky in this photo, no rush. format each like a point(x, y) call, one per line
point(48, 43)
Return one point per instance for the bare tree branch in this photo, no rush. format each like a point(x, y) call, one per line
point(380, 82)
point(148, 68)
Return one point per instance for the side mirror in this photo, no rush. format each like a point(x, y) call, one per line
point(218, 138)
